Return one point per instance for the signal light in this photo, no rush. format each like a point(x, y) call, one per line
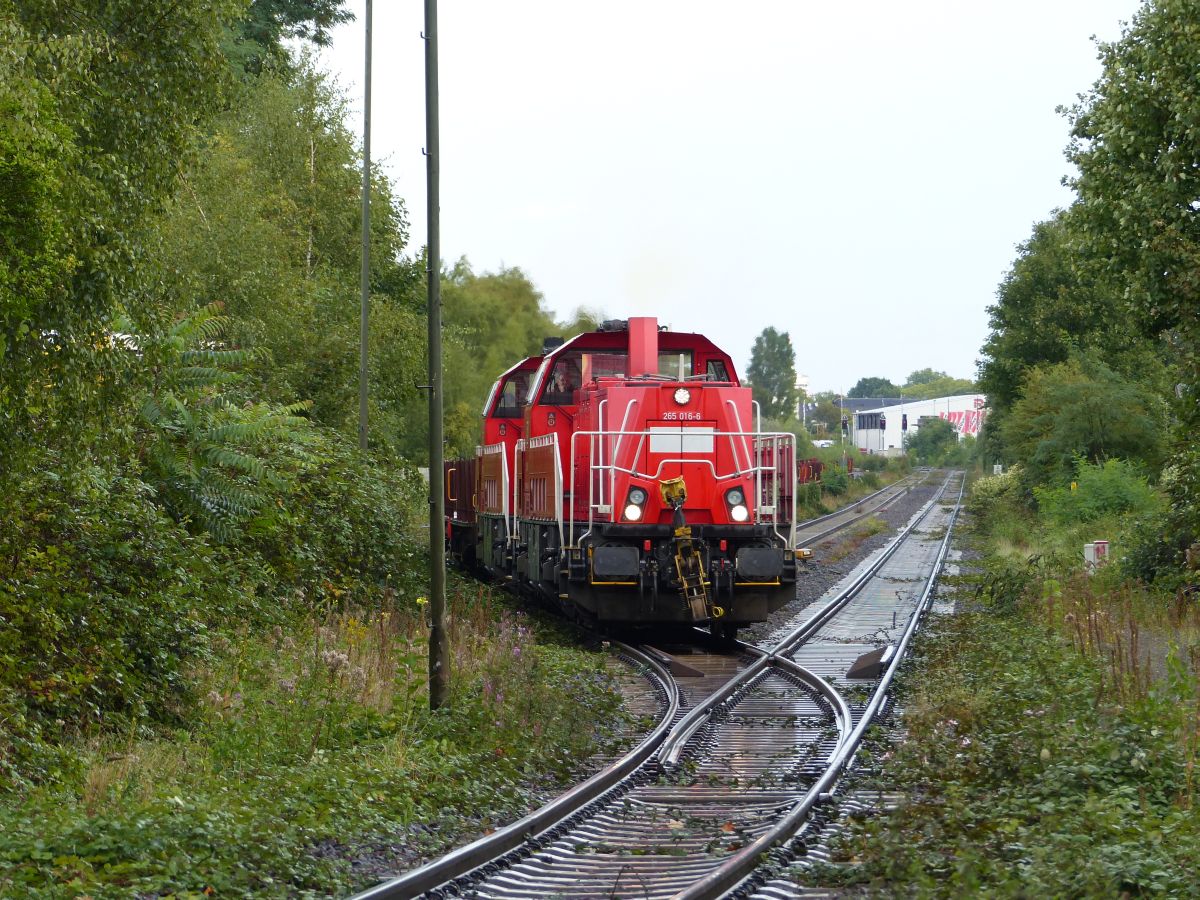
point(845, 424)
point(735, 498)
point(904, 422)
point(882, 421)
point(634, 500)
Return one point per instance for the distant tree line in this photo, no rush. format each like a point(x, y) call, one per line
point(772, 377)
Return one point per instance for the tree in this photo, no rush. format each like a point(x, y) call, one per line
point(100, 106)
point(1136, 144)
point(267, 222)
point(931, 442)
point(874, 387)
point(1055, 300)
point(259, 37)
point(493, 320)
point(827, 415)
point(1082, 409)
point(943, 386)
point(772, 374)
point(924, 376)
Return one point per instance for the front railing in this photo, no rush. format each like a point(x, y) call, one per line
point(767, 457)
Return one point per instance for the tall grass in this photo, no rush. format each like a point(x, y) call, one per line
point(315, 743)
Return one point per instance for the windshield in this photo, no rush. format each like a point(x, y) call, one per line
point(512, 396)
point(675, 364)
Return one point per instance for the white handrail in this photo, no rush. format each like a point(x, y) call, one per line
point(778, 441)
point(518, 452)
point(737, 417)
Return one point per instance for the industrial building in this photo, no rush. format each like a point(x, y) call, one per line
point(884, 428)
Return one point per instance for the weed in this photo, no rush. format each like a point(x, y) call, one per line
point(868, 527)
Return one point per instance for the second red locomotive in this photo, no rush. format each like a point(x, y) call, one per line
point(625, 476)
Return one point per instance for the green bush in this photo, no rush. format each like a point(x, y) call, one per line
point(871, 463)
point(836, 483)
point(347, 522)
point(932, 442)
point(1021, 784)
point(311, 748)
point(809, 496)
point(993, 492)
point(1154, 546)
point(104, 600)
point(963, 454)
point(1116, 487)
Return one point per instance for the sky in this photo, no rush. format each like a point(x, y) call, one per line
point(856, 174)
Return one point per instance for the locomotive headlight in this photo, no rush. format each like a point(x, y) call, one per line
point(682, 396)
point(735, 499)
point(634, 501)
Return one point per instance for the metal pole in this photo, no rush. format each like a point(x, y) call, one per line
point(365, 275)
point(439, 640)
point(844, 430)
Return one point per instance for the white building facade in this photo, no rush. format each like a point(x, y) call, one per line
point(883, 430)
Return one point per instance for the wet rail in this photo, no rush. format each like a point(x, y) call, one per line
point(494, 846)
point(766, 734)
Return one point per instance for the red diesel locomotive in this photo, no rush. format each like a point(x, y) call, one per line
point(625, 476)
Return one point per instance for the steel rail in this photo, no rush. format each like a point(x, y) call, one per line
point(739, 866)
point(698, 715)
point(503, 840)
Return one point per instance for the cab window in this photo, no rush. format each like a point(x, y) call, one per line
point(675, 364)
point(716, 370)
point(512, 395)
point(573, 370)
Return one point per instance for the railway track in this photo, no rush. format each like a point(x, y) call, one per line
point(745, 749)
point(818, 529)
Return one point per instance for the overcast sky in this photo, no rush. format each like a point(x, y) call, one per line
point(857, 174)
